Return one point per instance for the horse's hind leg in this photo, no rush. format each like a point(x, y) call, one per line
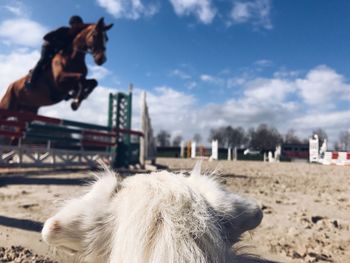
point(8, 101)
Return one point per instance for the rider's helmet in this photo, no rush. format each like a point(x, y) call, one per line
point(75, 20)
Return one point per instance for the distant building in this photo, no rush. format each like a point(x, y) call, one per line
point(293, 151)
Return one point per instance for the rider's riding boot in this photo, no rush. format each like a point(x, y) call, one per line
point(28, 83)
point(46, 53)
point(34, 74)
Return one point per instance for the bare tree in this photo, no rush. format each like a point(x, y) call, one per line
point(177, 140)
point(217, 134)
point(197, 137)
point(265, 137)
point(305, 141)
point(321, 133)
point(236, 137)
point(163, 138)
point(336, 146)
point(229, 136)
point(291, 137)
point(344, 140)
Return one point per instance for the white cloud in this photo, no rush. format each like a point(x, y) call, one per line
point(98, 72)
point(236, 82)
point(206, 78)
point(133, 9)
point(333, 122)
point(267, 91)
point(263, 63)
point(322, 86)
point(177, 112)
point(240, 12)
point(17, 8)
point(285, 101)
point(169, 104)
point(169, 109)
point(262, 101)
point(181, 74)
point(202, 9)
point(277, 101)
point(22, 31)
point(92, 110)
point(287, 74)
point(243, 112)
point(191, 85)
point(212, 79)
point(255, 12)
point(15, 65)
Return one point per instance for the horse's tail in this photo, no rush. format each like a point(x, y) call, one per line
point(8, 100)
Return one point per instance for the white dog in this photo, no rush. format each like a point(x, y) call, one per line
point(158, 217)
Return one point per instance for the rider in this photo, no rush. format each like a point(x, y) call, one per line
point(55, 41)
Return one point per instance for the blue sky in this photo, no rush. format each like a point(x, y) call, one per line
point(203, 63)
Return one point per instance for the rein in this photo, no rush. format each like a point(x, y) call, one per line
point(88, 51)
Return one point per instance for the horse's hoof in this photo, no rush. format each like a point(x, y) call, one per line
point(74, 105)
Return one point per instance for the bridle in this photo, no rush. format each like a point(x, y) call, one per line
point(88, 50)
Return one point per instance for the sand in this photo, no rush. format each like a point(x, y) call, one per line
point(306, 208)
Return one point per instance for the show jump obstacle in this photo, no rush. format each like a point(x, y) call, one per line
point(34, 140)
point(320, 155)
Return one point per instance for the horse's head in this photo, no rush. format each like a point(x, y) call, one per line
point(96, 39)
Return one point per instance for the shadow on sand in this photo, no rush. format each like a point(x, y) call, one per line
point(24, 224)
point(17, 180)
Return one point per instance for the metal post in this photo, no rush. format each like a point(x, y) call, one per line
point(110, 111)
point(123, 121)
point(144, 139)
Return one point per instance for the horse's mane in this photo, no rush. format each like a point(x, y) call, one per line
point(85, 26)
point(68, 49)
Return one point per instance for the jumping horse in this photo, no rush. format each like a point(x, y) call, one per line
point(65, 78)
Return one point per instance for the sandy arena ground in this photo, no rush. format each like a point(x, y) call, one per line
point(306, 209)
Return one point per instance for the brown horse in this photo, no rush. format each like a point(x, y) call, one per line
point(65, 78)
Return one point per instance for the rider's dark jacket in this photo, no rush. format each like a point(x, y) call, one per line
point(60, 38)
point(55, 41)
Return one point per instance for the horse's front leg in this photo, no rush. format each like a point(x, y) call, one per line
point(85, 88)
point(76, 81)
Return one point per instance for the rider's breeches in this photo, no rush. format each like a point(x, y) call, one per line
point(46, 52)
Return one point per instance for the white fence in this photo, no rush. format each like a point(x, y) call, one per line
point(322, 156)
point(148, 149)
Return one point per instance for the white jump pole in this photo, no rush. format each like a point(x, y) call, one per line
point(214, 150)
point(182, 149)
point(193, 150)
point(314, 149)
point(229, 155)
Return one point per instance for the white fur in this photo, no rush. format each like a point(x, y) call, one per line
point(157, 217)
